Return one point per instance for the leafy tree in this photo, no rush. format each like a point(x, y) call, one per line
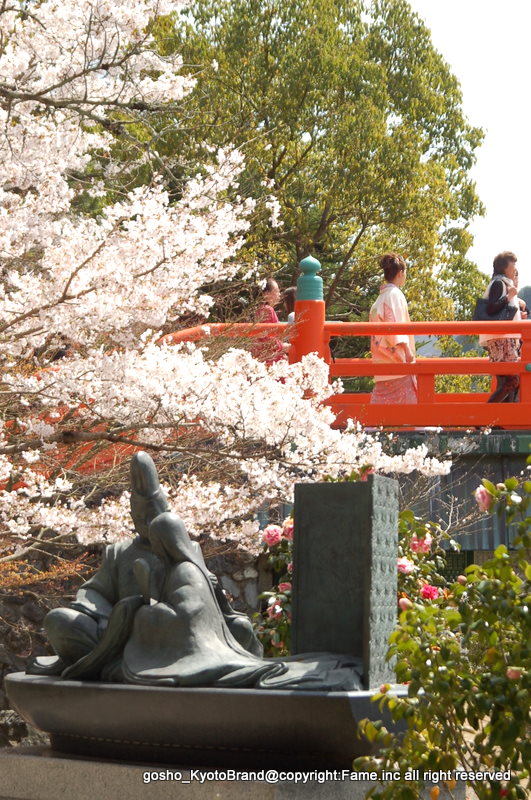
point(352, 120)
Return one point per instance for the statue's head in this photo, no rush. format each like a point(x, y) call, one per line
point(147, 497)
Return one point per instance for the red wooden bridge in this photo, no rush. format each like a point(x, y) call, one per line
point(312, 333)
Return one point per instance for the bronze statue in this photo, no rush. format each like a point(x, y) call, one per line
point(154, 614)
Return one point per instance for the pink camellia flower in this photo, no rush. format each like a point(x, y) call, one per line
point(429, 592)
point(272, 535)
point(513, 673)
point(483, 498)
point(422, 545)
point(405, 604)
point(462, 579)
point(405, 565)
point(290, 567)
point(284, 587)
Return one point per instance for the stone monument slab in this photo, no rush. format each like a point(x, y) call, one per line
point(344, 571)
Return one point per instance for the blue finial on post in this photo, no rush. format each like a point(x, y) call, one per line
point(309, 284)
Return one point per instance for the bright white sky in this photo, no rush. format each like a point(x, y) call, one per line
point(486, 43)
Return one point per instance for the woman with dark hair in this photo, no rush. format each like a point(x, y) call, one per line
point(270, 296)
point(267, 347)
point(501, 292)
point(391, 306)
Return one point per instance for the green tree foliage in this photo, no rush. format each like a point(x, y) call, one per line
point(351, 119)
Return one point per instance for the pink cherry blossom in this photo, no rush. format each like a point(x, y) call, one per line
point(108, 284)
point(429, 592)
point(405, 565)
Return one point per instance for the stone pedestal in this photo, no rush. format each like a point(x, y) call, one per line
point(215, 728)
point(344, 571)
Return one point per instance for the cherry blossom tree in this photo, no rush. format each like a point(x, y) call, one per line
point(103, 272)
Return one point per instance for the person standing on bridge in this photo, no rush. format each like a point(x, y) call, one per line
point(500, 292)
point(391, 306)
point(267, 347)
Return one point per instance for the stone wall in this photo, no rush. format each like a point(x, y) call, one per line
point(21, 636)
point(243, 578)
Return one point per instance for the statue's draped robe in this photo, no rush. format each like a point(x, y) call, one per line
point(183, 639)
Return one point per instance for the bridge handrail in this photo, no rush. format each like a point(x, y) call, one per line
point(424, 365)
point(433, 328)
point(312, 332)
point(234, 330)
point(333, 328)
point(429, 365)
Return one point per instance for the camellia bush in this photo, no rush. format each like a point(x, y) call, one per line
point(273, 625)
point(463, 649)
point(465, 654)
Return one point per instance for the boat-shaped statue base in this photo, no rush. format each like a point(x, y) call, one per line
point(232, 728)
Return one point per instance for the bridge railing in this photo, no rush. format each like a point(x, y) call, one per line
point(311, 333)
point(434, 409)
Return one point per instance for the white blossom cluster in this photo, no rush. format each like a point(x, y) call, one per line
point(143, 258)
point(93, 52)
point(236, 400)
point(63, 64)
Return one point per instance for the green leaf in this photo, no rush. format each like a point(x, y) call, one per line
point(370, 731)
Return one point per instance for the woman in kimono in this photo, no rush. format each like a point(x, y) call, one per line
point(391, 306)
